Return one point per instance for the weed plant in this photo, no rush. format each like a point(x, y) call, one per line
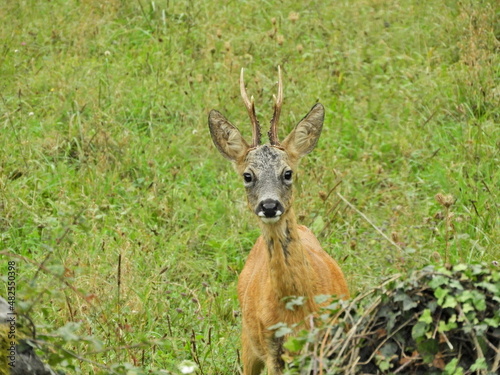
point(127, 227)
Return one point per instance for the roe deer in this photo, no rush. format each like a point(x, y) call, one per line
point(287, 260)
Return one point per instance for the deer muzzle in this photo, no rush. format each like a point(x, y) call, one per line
point(270, 210)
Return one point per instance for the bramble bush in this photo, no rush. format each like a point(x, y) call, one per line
point(437, 320)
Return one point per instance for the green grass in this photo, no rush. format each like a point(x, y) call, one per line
point(106, 155)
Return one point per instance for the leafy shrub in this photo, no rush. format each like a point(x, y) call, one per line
point(435, 321)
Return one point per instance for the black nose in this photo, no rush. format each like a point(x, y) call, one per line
point(270, 207)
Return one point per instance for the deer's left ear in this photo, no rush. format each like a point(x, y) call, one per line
point(304, 137)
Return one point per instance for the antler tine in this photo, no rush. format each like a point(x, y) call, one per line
point(278, 102)
point(250, 105)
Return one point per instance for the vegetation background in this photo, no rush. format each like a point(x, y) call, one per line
point(129, 229)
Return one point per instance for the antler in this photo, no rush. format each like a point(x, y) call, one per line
point(250, 105)
point(278, 102)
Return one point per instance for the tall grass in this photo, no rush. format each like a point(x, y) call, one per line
point(129, 229)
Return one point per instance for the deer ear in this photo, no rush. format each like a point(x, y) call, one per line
point(227, 138)
point(304, 137)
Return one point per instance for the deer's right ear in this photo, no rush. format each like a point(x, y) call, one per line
point(226, 137)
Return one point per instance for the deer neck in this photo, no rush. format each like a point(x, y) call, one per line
point(289, 266)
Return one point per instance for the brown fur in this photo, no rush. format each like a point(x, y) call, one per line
point(269, 276)
point(287, 260)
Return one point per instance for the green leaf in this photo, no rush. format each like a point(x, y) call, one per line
point(480, 364)
point(450, 301)
point(452, 368)
point(444, 271)
point(389, 349)
point(479, 300)
point(281, 329)
point(448, 326)
point(322, 298)
point(465, 296)
point(334, 307)
point(408, 303)
point(382, 363)
point(419, 330)
point(426, 317)
point(477, 269)
point(467, 307)
point(492, 322)
point(456, 284)
point(295, 301)
point(440, 294)
point(481, 329)
point(438, 280)
point(325, 317)
point(460, 267)
point(276, 326)
point(428, 349)
point(295, 344)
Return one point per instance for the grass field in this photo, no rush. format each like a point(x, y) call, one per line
point(129, 229)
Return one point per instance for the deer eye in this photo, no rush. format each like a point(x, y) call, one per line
point(247, 177)
point(288, 175)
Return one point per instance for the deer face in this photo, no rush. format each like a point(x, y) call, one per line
point(267, 170)
point(268, 176)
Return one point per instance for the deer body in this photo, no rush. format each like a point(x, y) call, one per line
point(287, 260)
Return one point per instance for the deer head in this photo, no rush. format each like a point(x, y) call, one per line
point(267, 170)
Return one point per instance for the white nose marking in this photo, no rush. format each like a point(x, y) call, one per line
point(262, 214)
